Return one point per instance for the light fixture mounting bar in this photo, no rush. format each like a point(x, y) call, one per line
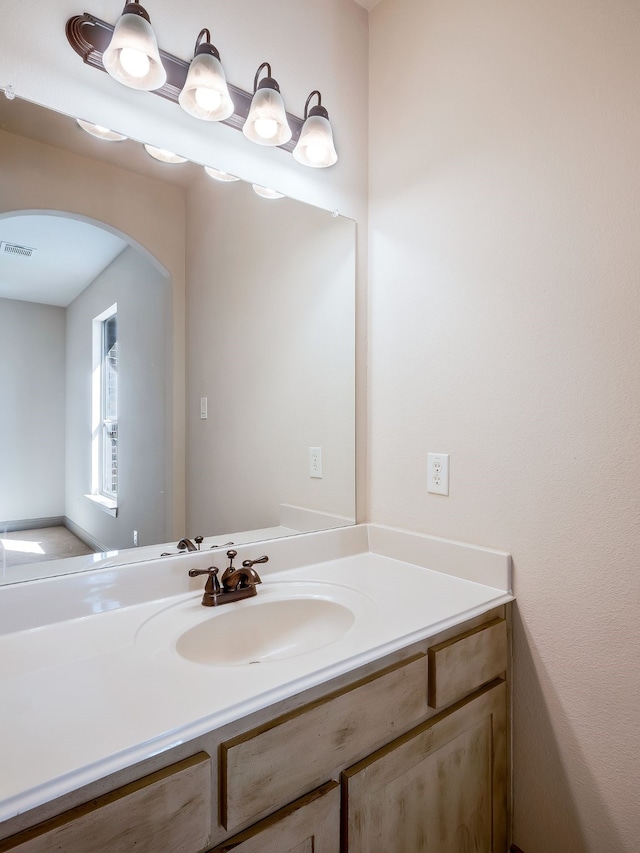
point(90, 36)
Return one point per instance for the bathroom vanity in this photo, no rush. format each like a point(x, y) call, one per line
point(383, 727)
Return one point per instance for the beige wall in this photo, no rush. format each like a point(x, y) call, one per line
point(32, 395)
point(505, 326)
point(270, 317)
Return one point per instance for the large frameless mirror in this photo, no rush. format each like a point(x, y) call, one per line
point(176, 355)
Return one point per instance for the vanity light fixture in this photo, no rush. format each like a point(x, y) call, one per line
point(132, 57)
point(315, 146)
point(129, 52)
point(163, 155)
point(218, 175)
point(267, 122)
point(205, 94)
point(266, 192)
point(100, 132)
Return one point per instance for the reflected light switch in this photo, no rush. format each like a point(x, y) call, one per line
point(203, 408)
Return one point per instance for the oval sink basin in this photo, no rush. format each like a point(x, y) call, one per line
point(283, 621)
point(270, 630)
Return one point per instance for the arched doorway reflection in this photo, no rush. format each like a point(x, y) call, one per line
point(61, 277)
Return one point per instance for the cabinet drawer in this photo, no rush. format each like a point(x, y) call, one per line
point(310, 825)
point(273, 764)
point(464, 663)
point(167, 810)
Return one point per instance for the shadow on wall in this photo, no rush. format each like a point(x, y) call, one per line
point(538, 709)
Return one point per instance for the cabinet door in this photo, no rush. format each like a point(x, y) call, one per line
point(441, 788)
point(310, 825)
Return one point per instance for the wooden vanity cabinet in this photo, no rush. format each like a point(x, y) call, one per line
point(441, 788)
point(420, 748)
point(405, 755)
point(273, 764)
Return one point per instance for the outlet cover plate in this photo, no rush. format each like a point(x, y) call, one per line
point(315, 462)
point(438, 473)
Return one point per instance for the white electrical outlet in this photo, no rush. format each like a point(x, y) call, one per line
point(438, 473)
point(203, 408)
point(315, 462)
point(135, 537)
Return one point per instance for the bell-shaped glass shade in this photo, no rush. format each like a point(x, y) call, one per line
point(163, 155)
point(132, 57)
point(219, 175)
point(100, 132)
point(266, 192)
point(267, 122)
point(315, 147)
point(205, 93)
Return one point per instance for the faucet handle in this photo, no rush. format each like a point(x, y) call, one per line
point(231, 555)
point(198, 540)
point(230, 568)
point(212, 587)
point(247, 564)
point(212, 570)
point(226, 545)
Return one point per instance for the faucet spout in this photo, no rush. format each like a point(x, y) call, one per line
point(187, 544)
point(240, 579)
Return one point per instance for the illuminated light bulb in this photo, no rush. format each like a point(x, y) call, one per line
point(208, 99)
point(316, 154)
point(135, 62)
point(266, 127)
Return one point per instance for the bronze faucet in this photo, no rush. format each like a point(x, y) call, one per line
point(187, 544)
point(236, 583)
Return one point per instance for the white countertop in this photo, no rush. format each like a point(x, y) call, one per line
point(83, 697)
